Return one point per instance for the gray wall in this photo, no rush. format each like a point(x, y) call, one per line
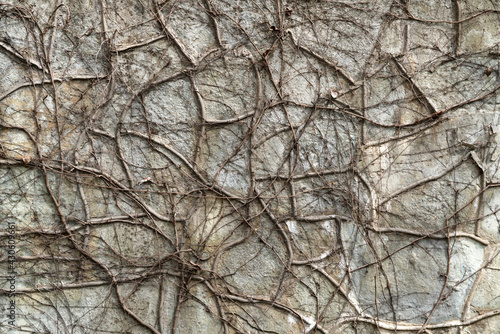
point(211, 166)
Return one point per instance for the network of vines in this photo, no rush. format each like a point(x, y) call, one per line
point(262, 166)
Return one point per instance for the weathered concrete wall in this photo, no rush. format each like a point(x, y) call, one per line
point(208, 166)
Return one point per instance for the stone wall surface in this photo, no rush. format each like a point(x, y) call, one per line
point(250, 166)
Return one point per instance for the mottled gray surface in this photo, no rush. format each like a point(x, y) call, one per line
point(250, 166)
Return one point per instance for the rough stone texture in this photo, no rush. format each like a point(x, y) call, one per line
point(210, 166)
